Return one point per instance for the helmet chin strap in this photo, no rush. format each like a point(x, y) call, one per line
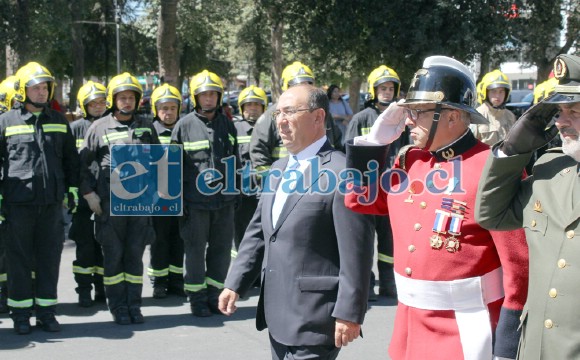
point(127, 112)
point(385, 103)
point(37, 104)
point(434, 125)
point(208, 111)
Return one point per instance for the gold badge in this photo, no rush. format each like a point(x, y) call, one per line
point(538, 206)
point(448, 154)
point(452, 244)
point(560, 69)
point(436, 241)
point(439, 95)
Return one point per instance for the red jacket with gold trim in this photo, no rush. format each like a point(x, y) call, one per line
point(421, 185)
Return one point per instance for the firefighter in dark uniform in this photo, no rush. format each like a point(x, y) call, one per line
point(39, 162)
point(266, 145)
point(208, 138)
point(7, 94)
point(252, 102)
point(88, 265)
point(384, 85)
point(123, 238)
point(166, 262)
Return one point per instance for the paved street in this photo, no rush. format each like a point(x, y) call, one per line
point(170, 331)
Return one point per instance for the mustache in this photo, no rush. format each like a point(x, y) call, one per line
point(568, 131)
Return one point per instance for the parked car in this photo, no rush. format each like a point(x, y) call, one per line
point(520, 107)
point(361, 100)
point(231, 98)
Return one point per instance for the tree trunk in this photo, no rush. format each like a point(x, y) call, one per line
point(167, 50)
point(18, 50)
point(12, 61)
point(276, 37)
point(78, 51)
point(353, 92)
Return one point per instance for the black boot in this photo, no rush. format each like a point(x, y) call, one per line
point(213, 295)
point(160, 287)
point(22, 325)
point(100, 295)
point(175, 285)
point(199, 305)
point(47, 322)
point(85, 299)
point(136, 315)
point(121, 315)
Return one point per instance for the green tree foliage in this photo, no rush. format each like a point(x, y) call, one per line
point(342, 41)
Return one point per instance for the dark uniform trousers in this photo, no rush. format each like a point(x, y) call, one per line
point(88, 266)
point(166, 264)
point(123, 239)
point(319, 352)
point(35, 237)
point(385, 249)
point(212, 229)
point(242, 216)
point(3, 288)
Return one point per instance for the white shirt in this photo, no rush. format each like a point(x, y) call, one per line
point(297, 165)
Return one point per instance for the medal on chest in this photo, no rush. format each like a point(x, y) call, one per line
point(448, 220)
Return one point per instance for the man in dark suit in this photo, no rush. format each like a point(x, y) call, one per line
point(315, 255)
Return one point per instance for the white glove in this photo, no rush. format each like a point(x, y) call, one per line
point(388, 126)
point(94, 202)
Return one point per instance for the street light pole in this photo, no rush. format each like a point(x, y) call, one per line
point(117, 21)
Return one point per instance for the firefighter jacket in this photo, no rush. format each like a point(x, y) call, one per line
point(266, 145)
point(102, 134)
point(163, 132)
point(244, 130)
point(361, 124)
point(38, 157)
point(79, 129)
point(500, 122)
point(208, 145)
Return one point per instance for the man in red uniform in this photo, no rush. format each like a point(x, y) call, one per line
point(461, 288)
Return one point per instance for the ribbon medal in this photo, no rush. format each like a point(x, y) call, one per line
point(439, 226)
point(452, 243)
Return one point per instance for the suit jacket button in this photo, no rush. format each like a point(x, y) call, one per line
point(273, 238)
point(417, 227)
point(411, 248)
point(534, 223)
point(561, 263)
point(548, 324)
point(408, 271)
point(570, 234)
point(553, 292)
point(423, 204)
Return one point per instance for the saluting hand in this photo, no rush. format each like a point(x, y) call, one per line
point(531, 131)
point(345, 332)
point(388, 126)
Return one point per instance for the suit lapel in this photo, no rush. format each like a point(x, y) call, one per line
point(323, 156)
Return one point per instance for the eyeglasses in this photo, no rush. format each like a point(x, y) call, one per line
point(289, 112)
point(97, 103)
point(414, 114)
